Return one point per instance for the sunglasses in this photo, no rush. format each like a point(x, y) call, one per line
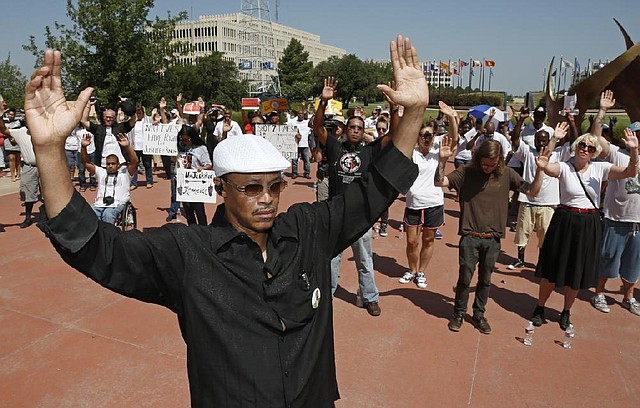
point(590, 149)
point(381, 129)
point(355, 127)
point(426, 135)
point(255, 189)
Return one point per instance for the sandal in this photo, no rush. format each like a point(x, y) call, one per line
point(83, 189)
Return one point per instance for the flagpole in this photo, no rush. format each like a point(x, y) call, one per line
point(482, 78)
point(544, 78)
point(558, 78)
point(470, 72)
point(490, 75)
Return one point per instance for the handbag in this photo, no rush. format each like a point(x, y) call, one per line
point(587, 194)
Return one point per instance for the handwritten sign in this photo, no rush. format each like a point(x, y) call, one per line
point(161, 139)
point(195, 186)
point(282, 137)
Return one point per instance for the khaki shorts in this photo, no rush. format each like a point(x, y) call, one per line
point(532, 217)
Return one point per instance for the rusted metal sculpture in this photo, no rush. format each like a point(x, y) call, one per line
point(622, 76)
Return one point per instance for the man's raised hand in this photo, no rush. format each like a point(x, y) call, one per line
point(606, 100)
point(49, 118)
point(411, 88)
point(329, 89)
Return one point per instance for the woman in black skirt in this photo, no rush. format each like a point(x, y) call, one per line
point(570, 252)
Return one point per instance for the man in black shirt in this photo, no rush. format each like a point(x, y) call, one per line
point(349, 161)
point(106, 134)
point(251, 290)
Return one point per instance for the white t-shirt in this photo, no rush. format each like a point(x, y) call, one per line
point(194, 157)
point(550, 191)
point(81, 132)
point(506, 144)
point(235, 129)
point(423, 193)
point(116, 186)
point(527, 135)
point(463, 153)
point(572, 194)
point(111, 146)
point(137, 135)
point(622, 199)
point(304, 129)
point(23, 139)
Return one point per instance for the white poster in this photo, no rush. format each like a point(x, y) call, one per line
point(195, 186)
point(282, 137)
point(161, 139)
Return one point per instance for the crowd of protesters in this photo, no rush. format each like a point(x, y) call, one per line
point(558, 178)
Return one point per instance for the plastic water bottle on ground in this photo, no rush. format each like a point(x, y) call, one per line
point(375, 234)
point(401, 234)
point(528, 334)
point(569, 334)
point(178, 215)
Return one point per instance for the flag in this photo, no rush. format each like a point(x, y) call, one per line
point(476, 63)
point(463, 64)
point(432, 66)
point(445, 68)
point(489, 63)
point(567, 64)
point(455, 71)
point(576, 64)
point(554, 72)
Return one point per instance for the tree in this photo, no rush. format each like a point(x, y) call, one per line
point(112, 46)
point(295, 71)
point(212, 77)
point(12, 83)
point(353, 76)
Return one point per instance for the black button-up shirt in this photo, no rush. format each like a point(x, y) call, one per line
point(258, 334)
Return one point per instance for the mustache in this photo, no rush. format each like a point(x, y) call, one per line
point(264, 208)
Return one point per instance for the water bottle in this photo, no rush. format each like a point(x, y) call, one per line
point(401, 234)
point(178, 214)
point(569, 334)
point(375, 234)
point(528, 334)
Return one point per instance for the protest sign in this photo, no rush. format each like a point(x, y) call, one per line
point(195, 186)
point(161, 139)
point(282, 137)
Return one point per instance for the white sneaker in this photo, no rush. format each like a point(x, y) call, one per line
point(600, 303)
point(407, 277)
point(633, 305)
point(421, 280)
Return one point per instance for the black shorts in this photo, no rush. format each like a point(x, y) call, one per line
point(432, 217)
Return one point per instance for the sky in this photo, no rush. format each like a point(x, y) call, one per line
point(521, 37)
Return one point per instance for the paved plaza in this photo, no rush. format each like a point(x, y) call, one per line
point(67, 342)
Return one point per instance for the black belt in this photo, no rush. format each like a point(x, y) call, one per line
point(27, 164)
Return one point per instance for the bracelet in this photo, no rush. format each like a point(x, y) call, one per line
point(323, 102)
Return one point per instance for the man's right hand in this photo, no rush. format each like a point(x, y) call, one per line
point(606, 100)
point(86, 140)
point(49, 118)
point(329, 89)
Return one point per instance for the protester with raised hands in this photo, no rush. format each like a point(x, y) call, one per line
point(483, 191)
point(252, 289)
point(570, 255)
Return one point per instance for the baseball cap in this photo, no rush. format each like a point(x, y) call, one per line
point(635, 126)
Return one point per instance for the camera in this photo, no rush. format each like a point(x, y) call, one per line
point(108, 200)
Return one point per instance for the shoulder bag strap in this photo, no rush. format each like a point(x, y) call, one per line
point(584, 188)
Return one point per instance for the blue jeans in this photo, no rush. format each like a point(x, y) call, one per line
point(363, 254)
point(82, 179)
point(303, 153)
point(175, 205)
point(474, 251)
point(146, 162)
point(108, 214)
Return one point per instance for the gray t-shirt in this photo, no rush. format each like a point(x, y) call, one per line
point(622, 199)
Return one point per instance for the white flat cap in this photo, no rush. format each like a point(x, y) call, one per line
point(247, 154)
